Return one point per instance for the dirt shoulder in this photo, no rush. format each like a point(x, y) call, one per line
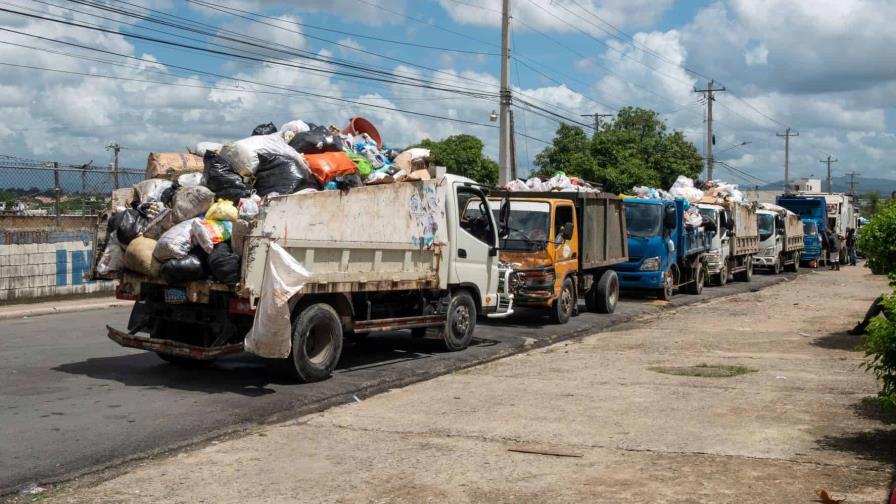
point(610, 429)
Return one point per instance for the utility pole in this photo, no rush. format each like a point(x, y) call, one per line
point(597, 117)
point(787, 134)
point(830, 180)
point(116, 149)
point(852, 183)
point(505, 158)
point(710, 139)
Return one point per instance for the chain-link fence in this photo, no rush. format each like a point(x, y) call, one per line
point(57, 189)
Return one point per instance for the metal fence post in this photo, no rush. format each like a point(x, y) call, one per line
point(58, 190)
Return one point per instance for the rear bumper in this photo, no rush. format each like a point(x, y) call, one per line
point(169, 347)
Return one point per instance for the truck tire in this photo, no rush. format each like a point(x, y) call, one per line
point(696, 285)
point(776, 269)
point(795, 266)
point(747, 274)
point(565, 304)
point(722, 277)
point(316, 342)
point(184, 362)
point(460, 322)
point(665, 292)
point(603, 296)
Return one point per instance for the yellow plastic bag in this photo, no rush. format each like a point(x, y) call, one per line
point(222, 210)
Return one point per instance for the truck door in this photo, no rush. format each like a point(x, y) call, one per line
point(565, 248)
point(475, 246)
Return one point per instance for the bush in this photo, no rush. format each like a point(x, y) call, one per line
point(880, 350)
point(877, 241)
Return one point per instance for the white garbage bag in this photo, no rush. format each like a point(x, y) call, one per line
point(243, 154)
point(271, 333)
point(294, 128)
point(190, 179)
point(112, 259)
point(151, 189)
point(176, 242)
point(684, 188)
point(201, 147)
point(535, 184)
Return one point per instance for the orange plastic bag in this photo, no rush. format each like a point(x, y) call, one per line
point(329, 165)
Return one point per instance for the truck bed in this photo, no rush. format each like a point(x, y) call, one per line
point(746, 230)
point(793, 233)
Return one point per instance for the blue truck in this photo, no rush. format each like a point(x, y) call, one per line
point(664, 253)
point(813, 213)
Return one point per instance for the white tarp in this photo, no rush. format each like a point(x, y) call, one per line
point(271, 334)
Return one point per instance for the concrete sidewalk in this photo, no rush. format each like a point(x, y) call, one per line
point(19, 310)
point(587, 421)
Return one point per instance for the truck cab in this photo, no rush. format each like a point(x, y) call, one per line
point(719, 242)
point(813, 214)
point(664, 253)
point(781, 239)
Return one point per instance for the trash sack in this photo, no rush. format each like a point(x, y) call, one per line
point(191, 202)
point(346, 182)
point(516, 185)
point(264, 129)
point(189, 268)
point(248, 207)
point(412, 159)
point(282, 175)
point(224, 264)
point(168, 193)
point(362, 164)
point(161, 223)
point(560, 182)
point(329, 165)
point(151, 210)
point(176, 242)
point(271, 333)
point(129, 225)
point(243, 155)
point(207, 233)
point(152, 189)
point(190, 179)
point(535, 184)
point(222, 210)
point(293, 128)
point(139, 257)
point(112, 259)
point(315, 141)
point(203, 147)
point(683, 187)
point(171, 164)
point(222, 180)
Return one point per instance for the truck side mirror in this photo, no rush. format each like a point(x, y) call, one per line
point(670, 219)
point(729, 222)
point(567, 231)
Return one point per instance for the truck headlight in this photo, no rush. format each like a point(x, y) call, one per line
point(536, 279)
point(650, 264)
point(769, 251)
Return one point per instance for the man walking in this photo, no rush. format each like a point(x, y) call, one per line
point(833, 250)
point(851, 246)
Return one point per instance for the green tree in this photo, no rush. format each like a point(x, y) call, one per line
point(462, 155)
point(634, 149)
point(871, 203)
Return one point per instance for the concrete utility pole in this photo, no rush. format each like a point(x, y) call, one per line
point(852, 183)
point(116, 149)
point(597, 117)
point(830, 180)
point(710, 139)
point(505, 158)
point(787, 134)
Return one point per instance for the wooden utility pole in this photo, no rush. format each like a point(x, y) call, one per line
point(852, 183)
point(505, 158)
point(597, 117)
point(787, 134)
point(828, 161)
point(116, 148)
point(710, 139)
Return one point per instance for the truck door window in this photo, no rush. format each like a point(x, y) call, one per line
point(476, 222)
point(562, 215)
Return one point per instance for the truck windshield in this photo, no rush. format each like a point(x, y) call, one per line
point(766, 226)
point(710, 213)
point(810, 228)
point(643, 219)
point(528, 226)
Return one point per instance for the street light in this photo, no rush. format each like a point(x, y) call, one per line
point(733, 147)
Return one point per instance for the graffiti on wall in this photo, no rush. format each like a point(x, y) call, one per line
point(71, 266)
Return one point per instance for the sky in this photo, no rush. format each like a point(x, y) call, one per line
point(824, 68)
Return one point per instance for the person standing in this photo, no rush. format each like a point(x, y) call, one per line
point(833, 250)
point(851, 246)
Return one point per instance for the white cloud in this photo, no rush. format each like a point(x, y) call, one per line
point(757, 55)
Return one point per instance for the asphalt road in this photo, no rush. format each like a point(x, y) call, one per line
point(75, 402)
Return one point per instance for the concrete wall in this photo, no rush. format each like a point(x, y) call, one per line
point(44, 263)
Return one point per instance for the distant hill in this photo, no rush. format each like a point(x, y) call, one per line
point(841, 184)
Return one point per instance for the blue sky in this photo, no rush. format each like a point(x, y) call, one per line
point(823, 67)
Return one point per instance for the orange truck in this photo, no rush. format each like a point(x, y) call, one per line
point(561, 246)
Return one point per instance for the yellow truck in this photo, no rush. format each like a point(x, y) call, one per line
point(561, 246)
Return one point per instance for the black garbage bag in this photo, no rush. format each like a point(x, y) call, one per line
point(264, 129)
point(346, 182)
point(129, 225)
point(224, 264)
point(190, 268)
point(315, 141)
point(282, 175)
point(168, 193)
point(222, 180)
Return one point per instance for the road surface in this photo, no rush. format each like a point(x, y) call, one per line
point(75, 402)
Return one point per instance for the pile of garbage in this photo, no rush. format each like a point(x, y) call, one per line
point(188, 220)
point(559, 182)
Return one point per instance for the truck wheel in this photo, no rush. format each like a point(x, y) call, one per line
point(460, 323)
point(665, 292)
point(316, 342)
point(776, 269)
point(696, 285)
point(795, 267)
point(747, 275)
point(722, 278)
point(565, 303)
point(184, 362)
point(603, 296)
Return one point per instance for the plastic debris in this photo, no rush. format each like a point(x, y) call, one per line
point(174, 243)
point(222, 210)
point(207, 233)
point(191, 202)
point(264, 129)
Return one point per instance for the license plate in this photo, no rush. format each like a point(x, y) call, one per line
point(175, 296)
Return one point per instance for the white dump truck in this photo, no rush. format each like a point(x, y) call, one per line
point(320, 266)
point(780, 239)
point(734, 243)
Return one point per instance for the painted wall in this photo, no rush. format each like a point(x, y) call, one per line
point(46, 263)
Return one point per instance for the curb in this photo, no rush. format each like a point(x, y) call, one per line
point(50, 310)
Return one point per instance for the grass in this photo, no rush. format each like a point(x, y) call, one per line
point(704, 370)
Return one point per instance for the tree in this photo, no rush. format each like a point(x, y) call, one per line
point(634, 149)
point(872, 203)
point(462, 155)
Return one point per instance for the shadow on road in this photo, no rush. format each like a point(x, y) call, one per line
point(877, 445)
point(839, 340)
